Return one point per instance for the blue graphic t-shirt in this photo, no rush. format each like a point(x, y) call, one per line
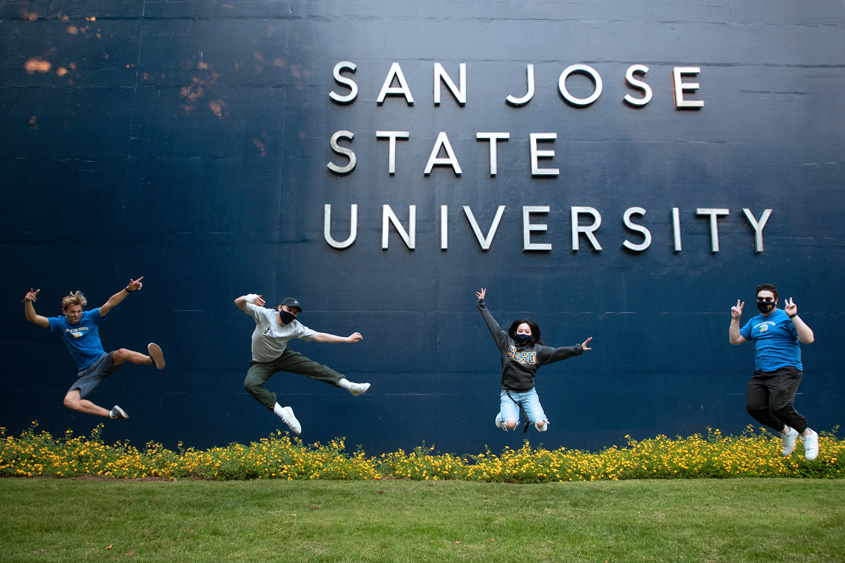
point(81, 339)
point(775, 341)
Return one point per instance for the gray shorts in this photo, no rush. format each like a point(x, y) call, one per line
point(93, 375)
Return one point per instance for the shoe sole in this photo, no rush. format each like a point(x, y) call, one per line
point(156, 355)
point(121, 412)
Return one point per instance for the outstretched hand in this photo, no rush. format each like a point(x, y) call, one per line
point(481, 294)
point(790, 308)
point(584, 344)
point(736, 312)
point(31, 295)
point(135, 285)
point(355, 337)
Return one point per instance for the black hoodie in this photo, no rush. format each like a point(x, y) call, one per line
point(520, 363)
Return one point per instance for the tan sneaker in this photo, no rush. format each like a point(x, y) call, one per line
point(156, 355)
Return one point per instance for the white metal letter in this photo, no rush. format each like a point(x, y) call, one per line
point(588, 230)
point(639, 84)
point(485, 242)
point(757, 226)
point(391, 136)
point(353, 227)
point(395, 72)
point(714, 227)
point(528, 228)
point(538, 154)
point(440, 76)
point(409, 236)
point(450, 159)
point(638, 228)
point(527, 97)
point(676, 228)
point(444, 227)
point(679, 87)
point(348, 153)
point(581, 69)
point(493, 138)
point(348, 82)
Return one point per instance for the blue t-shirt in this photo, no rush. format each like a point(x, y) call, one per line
point(81, 339)
point(775, 341)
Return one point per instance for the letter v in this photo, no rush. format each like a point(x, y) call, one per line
point(483, 241)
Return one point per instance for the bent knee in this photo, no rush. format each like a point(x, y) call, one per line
point(119, 356)
point(71, 400)
point(756, 409)
point(510, 424)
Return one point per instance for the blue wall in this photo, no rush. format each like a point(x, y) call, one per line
point(188, 142)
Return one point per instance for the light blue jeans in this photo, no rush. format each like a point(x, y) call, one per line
point(529, 400)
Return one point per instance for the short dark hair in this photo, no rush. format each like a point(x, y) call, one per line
point(767, 287)
point(535, 330)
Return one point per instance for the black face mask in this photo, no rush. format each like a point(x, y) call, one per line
point(286, 317)
point(522, 339)
point(766, 306)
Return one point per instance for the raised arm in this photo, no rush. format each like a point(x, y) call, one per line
point(249, 298)
point(805, 333)
point(334, 339)
point(29, 309)
point(733, 334)
point(114, 300)
point(500, 336)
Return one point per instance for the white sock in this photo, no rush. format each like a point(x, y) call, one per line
point(344, 384)
point(279, 411)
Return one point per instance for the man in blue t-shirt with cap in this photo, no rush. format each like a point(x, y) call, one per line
point(778, 370)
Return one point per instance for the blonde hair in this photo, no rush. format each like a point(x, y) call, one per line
point(72, 299)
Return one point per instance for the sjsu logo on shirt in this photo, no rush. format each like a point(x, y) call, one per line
point(77, 332)
point(522, 357)
point(764, 326)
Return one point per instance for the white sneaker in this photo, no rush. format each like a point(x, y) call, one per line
point(811, 446)
point(117, 413)
point(358, 388)
point(291, 421)
point(789, 441)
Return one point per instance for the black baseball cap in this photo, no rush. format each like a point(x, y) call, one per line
point(292, 302)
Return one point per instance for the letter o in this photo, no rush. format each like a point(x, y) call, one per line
point(580, 69)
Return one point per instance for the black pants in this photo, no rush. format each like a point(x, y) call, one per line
point(770, 395)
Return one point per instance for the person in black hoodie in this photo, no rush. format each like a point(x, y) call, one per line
point(522, 354)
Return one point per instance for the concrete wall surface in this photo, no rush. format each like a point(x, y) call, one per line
point(364, 158)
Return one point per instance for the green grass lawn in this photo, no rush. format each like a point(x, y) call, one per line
point(398, 520)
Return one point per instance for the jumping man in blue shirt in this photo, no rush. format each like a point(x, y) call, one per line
point(778, 370)
point(80, 332)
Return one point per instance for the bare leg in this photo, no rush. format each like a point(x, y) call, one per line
point(123, 355)
point(74, 402)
